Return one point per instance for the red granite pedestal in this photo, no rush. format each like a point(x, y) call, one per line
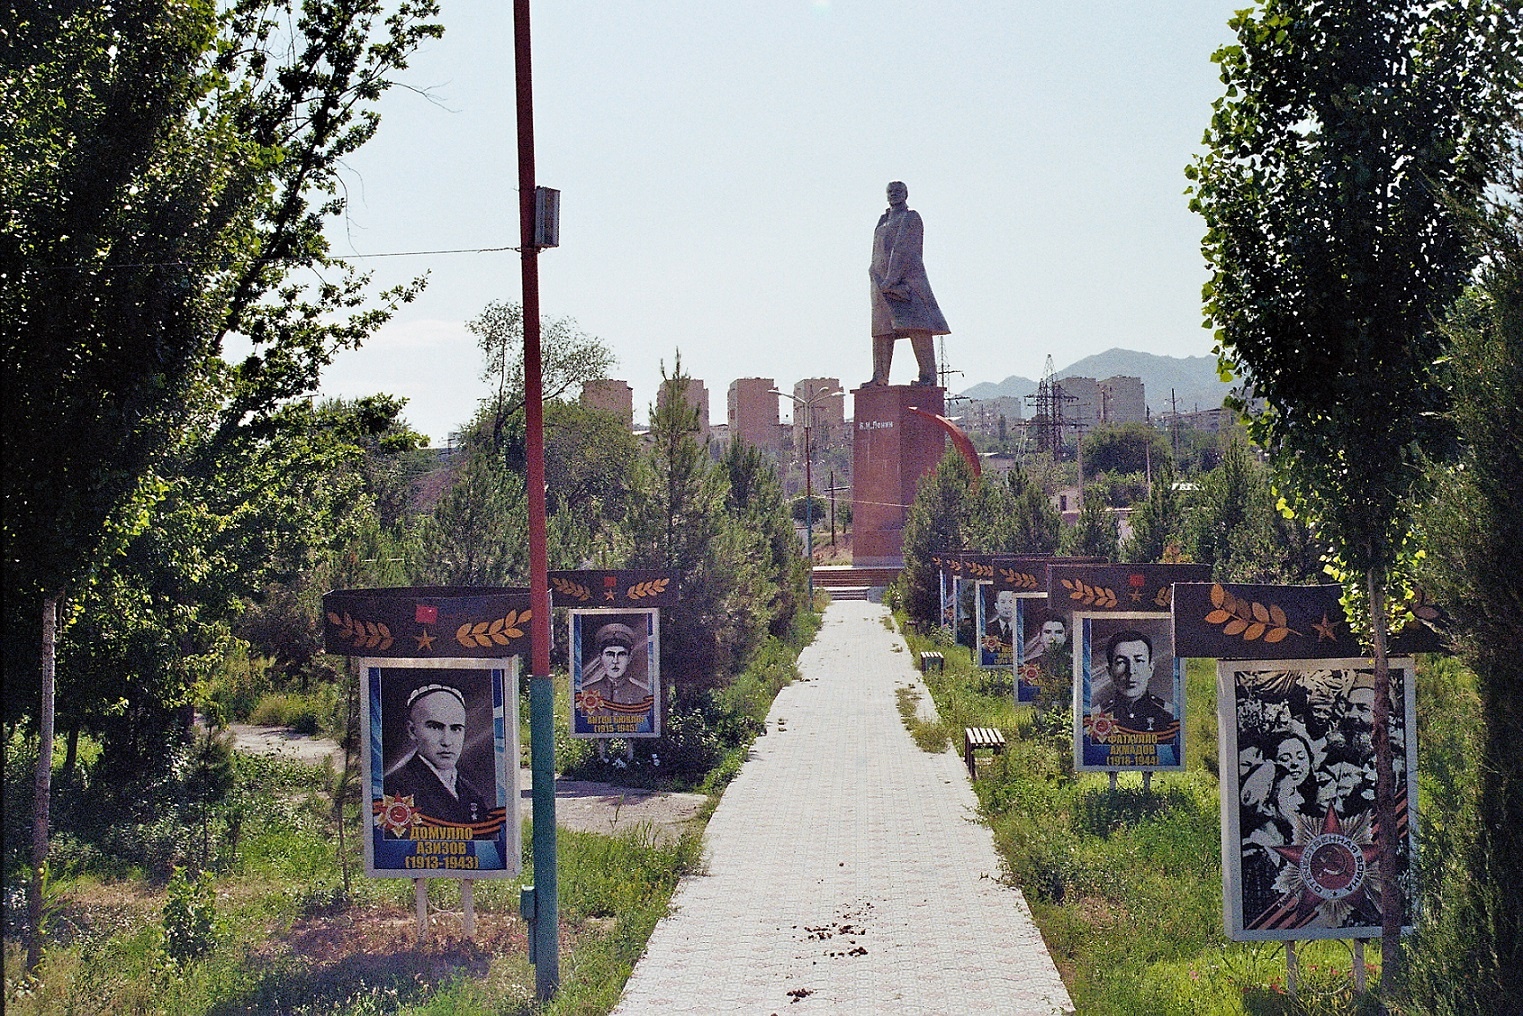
point(892, 448)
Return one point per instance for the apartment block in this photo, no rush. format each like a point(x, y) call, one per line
point(611, 396)
point(752, 412)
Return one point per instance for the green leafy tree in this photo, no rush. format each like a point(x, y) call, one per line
point(1094, 534)
point(569, 357)
point(168, 168)
point(1477, 567)
point(588, 455)
point(369, 460)
point(1124, 448)
point(1348, 139)
point(939, 521)
point(253, 516)
point(1233, 524)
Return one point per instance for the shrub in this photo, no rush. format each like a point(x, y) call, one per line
point(315, 712)
point(190, 915)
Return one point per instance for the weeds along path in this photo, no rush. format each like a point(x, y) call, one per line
point(847, 871)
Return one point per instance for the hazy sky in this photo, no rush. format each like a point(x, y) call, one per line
point(722, 167)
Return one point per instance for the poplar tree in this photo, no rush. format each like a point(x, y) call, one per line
point(1348, 139)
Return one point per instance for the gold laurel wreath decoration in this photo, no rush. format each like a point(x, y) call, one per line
point(568, 588)
point(1090, 596)
point(1165, 596)
point(364, 634)
point(499, 631)
point(983, 571)
point(1248, 619)
point(1019, 579)
point(643, 590)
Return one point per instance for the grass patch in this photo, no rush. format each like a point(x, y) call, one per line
point(701, 748)
point(930, 736)
point(287, 939)
point(277, 930)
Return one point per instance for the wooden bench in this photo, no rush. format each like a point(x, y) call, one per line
point(929, 660)
point(974, 738)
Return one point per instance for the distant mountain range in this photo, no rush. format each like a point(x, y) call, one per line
point(1191, 379)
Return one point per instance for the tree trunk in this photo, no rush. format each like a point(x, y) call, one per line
point(71, 752)
point(44, 785)
point(1387, 835)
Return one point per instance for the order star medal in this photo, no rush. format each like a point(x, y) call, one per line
point(397, 814)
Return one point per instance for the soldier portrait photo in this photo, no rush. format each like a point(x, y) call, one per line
point(1127, 694)
point(437, 738)
point(614, 673)
point(996, 643)
point(1043, 656)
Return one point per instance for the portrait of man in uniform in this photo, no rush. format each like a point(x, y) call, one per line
point(1128, 693)
point(997, 646)
point(430, 774)
point(1051, 633)
point(608, 674)
point(614, 674)
point(1129, 662)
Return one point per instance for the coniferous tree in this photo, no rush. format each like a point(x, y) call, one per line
point(939, 521)
point(1158, 522)
point(1013, 516)
point(1095, 533)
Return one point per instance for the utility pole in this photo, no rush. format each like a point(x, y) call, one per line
point(831, 490)
point(808, 404)
point(1174, 420)
point(540, 902)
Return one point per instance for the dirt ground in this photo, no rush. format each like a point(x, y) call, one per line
point(580, 805)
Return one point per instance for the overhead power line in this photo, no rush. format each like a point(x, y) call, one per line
point(115, 266)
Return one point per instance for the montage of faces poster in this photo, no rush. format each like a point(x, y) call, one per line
point(1299, 858)
point(615, 673)
point(1043, 652)
point(444, 796)
point(1128, 693)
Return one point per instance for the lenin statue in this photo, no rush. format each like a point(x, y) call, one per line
point(903, 306)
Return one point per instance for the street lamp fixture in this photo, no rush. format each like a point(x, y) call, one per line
point(808, 404)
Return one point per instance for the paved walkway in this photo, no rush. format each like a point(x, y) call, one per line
point(847, 872)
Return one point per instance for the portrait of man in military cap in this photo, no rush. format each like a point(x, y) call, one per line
point(614, 673)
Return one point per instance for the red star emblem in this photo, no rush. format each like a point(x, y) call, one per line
point(1099, 726)
point(1335, 870)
